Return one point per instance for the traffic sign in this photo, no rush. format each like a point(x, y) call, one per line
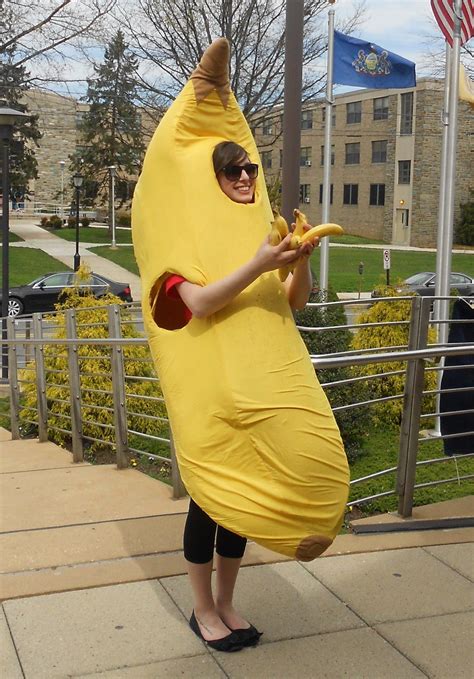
point(386, 259)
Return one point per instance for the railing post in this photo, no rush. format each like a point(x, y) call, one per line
point(413, 395)
point(13, 380)
point(75, 386)
point(178, 486)
point(40, 379)
point(28, 346)
point(118, 388)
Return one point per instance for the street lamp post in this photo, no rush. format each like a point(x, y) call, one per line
point(8, 117)
point(77, 179)
point(62, 163)
point(112, 169)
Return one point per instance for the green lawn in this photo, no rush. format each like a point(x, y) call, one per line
point(5, 412)
point(13, 238)
point(26, 264)
point(381, 452)
point(351, 240)
point(91, 234)
point(343, 265)
point(123, 256)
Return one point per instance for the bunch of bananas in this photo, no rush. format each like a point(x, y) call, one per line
point(299, 235)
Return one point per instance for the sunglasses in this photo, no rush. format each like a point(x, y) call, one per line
point(234, 172)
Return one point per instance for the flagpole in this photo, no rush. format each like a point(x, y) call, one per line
point(448, 212)
point(324, 257)
point(292, 107)
point(441, 306)
point(441, 309)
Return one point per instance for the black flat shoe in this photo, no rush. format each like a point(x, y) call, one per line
point(249, 636)
point(228, 644)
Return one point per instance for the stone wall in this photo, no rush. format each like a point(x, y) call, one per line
point(427, 166)
point(57, 122)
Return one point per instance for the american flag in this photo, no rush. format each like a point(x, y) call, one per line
point(444, 15)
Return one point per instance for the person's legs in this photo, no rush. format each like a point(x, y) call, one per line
point(230, 550)
point(199, 535)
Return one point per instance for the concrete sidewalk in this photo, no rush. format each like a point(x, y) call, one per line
point(392, 614)
point(63, 250)
point(93, 586)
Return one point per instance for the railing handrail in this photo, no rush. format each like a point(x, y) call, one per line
point(414, 355)
point(319, 360)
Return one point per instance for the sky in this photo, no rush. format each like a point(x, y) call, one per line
point(401, 26)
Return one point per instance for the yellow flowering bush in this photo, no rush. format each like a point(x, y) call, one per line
point(96, 378)
point(389, 412)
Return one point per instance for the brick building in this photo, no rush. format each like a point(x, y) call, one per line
point(386, 156)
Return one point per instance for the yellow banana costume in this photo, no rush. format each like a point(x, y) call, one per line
point(257, 444)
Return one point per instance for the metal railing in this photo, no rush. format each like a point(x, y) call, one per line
point(86, 376)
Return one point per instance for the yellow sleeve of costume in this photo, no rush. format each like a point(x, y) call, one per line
point(257, 444)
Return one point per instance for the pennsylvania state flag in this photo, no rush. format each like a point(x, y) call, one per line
point(364, 64)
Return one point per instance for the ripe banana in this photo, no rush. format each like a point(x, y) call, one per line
point(279, 229)
point(300, 221)
point(321, 231)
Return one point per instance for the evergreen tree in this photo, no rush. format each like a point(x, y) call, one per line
point(13, 85)
point(111, 128)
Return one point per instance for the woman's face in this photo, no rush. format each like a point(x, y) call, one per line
point(240, 190)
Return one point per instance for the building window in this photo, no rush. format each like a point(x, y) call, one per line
point(307, 120)
point(353, 154)
point(281, 157)
point(266, 157)
point(377, 194)
point(333, 115)
point(267, 126)
point(351, 194)
point(406, 115)
point(305, 193)
point(305, 156)
point(331, 193)
point(379, 151)
point(404, 171)
point(381, 108)
point(333, 152)
point(353, 112)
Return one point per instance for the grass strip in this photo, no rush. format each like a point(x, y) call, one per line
point(26, 264)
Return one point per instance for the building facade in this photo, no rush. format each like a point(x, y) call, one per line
point(385, 161)
point(59, 119)
point(386, 158)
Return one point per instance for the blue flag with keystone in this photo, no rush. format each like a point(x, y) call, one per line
point(364, 64)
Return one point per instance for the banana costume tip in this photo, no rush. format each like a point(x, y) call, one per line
point(212, 71)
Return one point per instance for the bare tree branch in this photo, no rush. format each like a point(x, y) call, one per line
point(34, 27)
point(169, 37)
point(32, 33)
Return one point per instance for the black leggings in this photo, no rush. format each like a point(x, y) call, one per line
point(200, 534)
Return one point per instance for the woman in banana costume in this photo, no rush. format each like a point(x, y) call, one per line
point(257, 444)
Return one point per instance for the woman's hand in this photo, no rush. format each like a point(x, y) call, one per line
point(298, 285)
point(270, 257)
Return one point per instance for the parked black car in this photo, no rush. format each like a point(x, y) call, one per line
point(424, 284)
point(43, 293)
